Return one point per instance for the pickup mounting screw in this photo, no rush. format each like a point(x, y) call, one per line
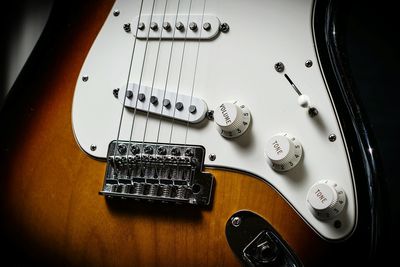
point(212, 157)
point(279, 67)
point(179, 26)
point(85, 78)
point(207, 26)
point(93, 147)
point(193, 26)
point(332, 137)
point(127, 27)
point(236, 221)
point(116, 13)
point(141, 26)
point(115, 92)
point(224, 27)
point(308, 63)
point(167, 26)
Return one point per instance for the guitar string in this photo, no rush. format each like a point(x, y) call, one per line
point(179, 82)
point(168, 71)
point(139, 86)
point(180, 72)
point(195, 69)
point(154, 77)
point(127, 82)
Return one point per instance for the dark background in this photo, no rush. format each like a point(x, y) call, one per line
point(371, 42)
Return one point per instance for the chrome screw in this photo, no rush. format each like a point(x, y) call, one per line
point(224, 27)
point(116, 92)
point(116, 13)
point(236, 221)
point(127, 27)
point(179, 26)
point(85, 78)
point(332, 137)
point(210, 114)
point(193, 26)
point(154, 26)
point(207, 26)
point(308, 63)
point(141, 26)
point(212, 157)
point(279, 67)
point(93, 147)
point(167, 26)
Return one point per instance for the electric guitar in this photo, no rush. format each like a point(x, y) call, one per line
point(187, 133)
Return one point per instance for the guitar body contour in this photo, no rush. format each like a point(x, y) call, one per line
point(51, 210)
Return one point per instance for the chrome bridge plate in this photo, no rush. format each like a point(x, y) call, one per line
point(157, 172)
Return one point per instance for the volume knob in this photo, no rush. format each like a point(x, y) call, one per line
point(232, 119)
point(326, 199)
point(283, 151)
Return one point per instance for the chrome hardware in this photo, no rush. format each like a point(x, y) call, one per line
point(279, 67)
point(166, 26)
point(212, 157)
point(179, 26)
point(332, 137)
point(85, 78)
point(192, 109)
point(308, 63)
point(116, 13)
point(256, 243)
point(160, 172)
point(141, 26)
point(129, 94)
point(224, 27)
point(116, 92)
point(127, 27)
point(179, 105)
point(193, 26)
point(93, 147)
point(207, 26)
point(154, 26)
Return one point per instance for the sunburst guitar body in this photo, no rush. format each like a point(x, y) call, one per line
point(182, 133)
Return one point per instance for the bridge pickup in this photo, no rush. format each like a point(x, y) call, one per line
point(157, 172)
point(172, 27)
point(184, 107)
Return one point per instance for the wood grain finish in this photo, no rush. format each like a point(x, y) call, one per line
point(51, 209)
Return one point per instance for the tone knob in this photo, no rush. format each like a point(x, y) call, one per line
point(326, 199)
point(283, 151)
point(232, 119)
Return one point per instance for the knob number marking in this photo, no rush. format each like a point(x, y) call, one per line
point(232, 119)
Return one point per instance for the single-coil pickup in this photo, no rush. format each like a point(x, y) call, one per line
point(176, 27)
point(158, 101)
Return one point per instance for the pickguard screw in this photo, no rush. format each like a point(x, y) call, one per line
point(212, 156)
point(207, 26)
point(193, 26)
point(141, 26)
point(308, 63)
point(312, 112)
point(85, 78)
point(279, 67)
point(93, 147)
point(236, 221)
point(224, 27)
point(332, 137)
point(127, 27)
point(210, 114)
point(115, 92)
point(116, 13)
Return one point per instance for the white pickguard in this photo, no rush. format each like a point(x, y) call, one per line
point(238, 65)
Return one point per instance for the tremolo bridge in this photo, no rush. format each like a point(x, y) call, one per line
point(159, 172)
